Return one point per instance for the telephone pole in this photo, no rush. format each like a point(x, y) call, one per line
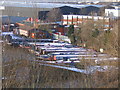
point(1, 48)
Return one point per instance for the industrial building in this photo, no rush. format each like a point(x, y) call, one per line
point(113, 12)
point(79, 19)
point(28, 9)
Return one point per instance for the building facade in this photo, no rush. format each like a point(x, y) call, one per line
point(80, 19)
point(113, 12)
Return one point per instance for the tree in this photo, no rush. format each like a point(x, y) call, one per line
point(71, 30)
point(86, 31)
point(54, 15)
point(95, 33)
point(71, 34)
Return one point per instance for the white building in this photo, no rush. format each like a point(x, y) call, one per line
point(113, 12)
point(2, 7)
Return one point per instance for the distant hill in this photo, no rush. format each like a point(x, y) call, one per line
point(66, 10)
point(88, 10)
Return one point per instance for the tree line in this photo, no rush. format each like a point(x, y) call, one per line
point(93, 35)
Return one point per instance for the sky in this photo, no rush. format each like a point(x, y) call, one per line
point(58, 0)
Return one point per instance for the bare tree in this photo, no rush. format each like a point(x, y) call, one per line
point(54, 15)
point(94, 31)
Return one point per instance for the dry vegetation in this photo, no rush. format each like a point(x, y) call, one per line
point(47, 77)
point(93, 35)
point(23, 73)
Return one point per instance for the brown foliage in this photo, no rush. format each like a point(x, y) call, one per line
point(54, 15)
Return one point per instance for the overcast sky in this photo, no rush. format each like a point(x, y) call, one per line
point(56, 0)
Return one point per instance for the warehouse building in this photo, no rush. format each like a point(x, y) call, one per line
point(32, 9)
point(80, 19)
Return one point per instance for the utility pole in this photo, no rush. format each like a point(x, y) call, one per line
point(34, 26)
point(1, 47)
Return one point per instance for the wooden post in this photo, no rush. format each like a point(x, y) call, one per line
point(72, 20)
point(67, 19)
point(77, 20)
